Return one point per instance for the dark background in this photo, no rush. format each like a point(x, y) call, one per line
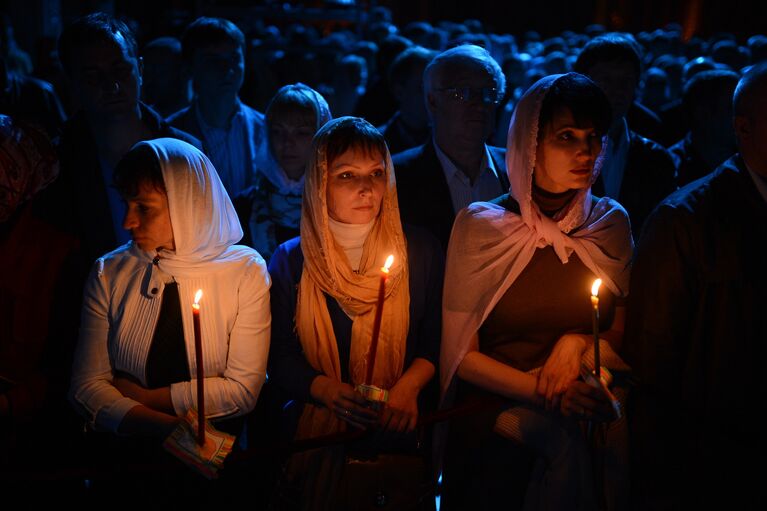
point(38, 22)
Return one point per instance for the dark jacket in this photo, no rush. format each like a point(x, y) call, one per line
point(689, 165)
point(78, 200)
point(644, 121)
point(648, 177)
point(288, 367)
point(695, 337)
point(399, 138)
point(423, 193)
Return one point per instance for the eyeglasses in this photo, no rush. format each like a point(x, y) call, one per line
point(488, 95)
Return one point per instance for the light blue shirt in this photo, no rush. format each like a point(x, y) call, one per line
point(486, 187)
point(233, 150)
point(615, 160)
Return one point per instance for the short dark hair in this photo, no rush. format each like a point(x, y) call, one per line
point(705, 87)
point(407, 61)
point(584, 98)
point(347, 133)
point(140, 166)
point(204, 32)
point(609, 48)
point(98, 27)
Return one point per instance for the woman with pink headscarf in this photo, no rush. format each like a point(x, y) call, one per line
point(520, 331)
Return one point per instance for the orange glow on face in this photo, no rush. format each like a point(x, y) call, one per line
point(595, 287)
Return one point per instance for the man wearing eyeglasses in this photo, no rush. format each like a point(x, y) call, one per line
point(462, 87)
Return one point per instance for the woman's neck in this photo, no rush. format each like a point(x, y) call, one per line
point(351, 238)
point(551, 203)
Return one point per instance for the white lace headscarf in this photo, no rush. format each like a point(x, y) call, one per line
point(491, 246)
point(268, 165)
point(205, 224)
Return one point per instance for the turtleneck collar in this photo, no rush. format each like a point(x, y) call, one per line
point(351, 238)
point(551, 203)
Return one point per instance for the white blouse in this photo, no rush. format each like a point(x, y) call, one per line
point(120, 313)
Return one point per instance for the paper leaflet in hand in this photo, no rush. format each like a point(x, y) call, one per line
point(206, 459)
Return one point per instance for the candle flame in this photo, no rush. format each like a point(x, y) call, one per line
point(197, 297)
point(595, 287)
point(387, 264)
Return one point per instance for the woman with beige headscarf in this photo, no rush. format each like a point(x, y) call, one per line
point(324, 294)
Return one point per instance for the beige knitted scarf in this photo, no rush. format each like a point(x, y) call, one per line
point(327, 271)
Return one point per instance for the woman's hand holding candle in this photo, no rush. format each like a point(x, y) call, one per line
point(401, 412)
point(562, 368)
point(587, 402)
point(344, 401)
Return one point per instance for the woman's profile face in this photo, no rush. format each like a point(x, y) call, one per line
point(147, 217)
point(290, 136)
point(566, 154)
point(356, 185)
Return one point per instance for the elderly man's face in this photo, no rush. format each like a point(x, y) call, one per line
point(467, 120)
point(751, 131)
point(409, 94)
point(106, 78)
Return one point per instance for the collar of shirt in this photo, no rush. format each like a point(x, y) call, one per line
point(615, 159)
point(486, 186)
point(452, 172)
point(207, 128)
point(759, 181)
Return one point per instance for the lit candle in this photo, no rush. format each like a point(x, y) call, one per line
point(595, 316)
point(377, 320)
point(200, 371)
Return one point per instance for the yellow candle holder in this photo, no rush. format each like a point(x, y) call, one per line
point(375, 396)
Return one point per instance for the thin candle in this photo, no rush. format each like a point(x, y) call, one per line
point(377, 320)
point(595, 324)
point(200, 370)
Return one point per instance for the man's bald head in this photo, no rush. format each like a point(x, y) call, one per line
point(750, 121)
point(752, 88)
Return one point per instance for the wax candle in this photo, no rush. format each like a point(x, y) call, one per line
point(595, 324)
point(200, 371)
point(377, 319)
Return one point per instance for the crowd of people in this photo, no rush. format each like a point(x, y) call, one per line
point(503, 174)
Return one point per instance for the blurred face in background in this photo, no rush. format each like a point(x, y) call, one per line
point(409, 95)
point(618, 80)
point(218, 69)
point(105, 78)
point(291, 129)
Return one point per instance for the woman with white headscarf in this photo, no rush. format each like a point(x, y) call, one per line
point(520, 330)
point(134, 366)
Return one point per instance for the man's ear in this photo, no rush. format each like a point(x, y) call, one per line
point(742, 126)
point(431, 103)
